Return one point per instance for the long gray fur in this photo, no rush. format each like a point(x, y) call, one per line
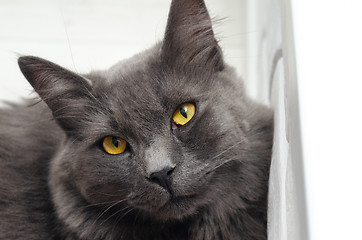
point(56, 182)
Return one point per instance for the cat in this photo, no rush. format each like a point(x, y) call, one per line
point(164, 145)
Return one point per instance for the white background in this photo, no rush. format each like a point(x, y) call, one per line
point(95, 34)
point(328, 39)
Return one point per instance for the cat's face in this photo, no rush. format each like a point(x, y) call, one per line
point(167, 170)
point(139, 107)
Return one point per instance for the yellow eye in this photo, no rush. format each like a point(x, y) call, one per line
point(184, 113)
point(114, 145)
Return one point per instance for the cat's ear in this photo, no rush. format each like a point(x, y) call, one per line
point(189, 39)
point(65, 92)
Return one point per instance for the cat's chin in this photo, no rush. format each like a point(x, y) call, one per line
point(176, 208)
point(168, 207)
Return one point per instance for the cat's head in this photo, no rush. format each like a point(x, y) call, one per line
point(166, 132)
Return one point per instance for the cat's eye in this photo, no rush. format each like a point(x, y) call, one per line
point(114, 145)
point(184, 113)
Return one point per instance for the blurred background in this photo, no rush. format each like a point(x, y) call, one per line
point(301, 57)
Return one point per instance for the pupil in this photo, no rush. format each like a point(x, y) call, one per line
point(115, 141)
point(183, 112)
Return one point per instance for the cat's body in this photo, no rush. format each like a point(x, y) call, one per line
point(56, 181)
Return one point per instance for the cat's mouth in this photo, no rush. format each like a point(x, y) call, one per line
point(177, 207)
point(166, 205)
point(175, 199)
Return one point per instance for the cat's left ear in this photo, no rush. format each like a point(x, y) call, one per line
point(66, 93)
point(189, 39)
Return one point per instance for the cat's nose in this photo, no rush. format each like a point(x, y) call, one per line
point(163, 178)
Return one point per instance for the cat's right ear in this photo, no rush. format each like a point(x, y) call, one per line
point(65, 92)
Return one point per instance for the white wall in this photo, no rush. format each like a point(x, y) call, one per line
point(315, 184)
point(95, 34)
point(328, 40)
point(273, 80)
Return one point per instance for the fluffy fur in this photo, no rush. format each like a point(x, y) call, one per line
point(56, 182)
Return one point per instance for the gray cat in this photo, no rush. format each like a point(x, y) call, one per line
point(165, 145)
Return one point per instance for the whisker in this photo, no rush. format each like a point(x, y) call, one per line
point(108, 208)
point(68, 40)
point(114, 226)
point(129, 208)
point(221, 164)
point(97, 204)
point(226, 150)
